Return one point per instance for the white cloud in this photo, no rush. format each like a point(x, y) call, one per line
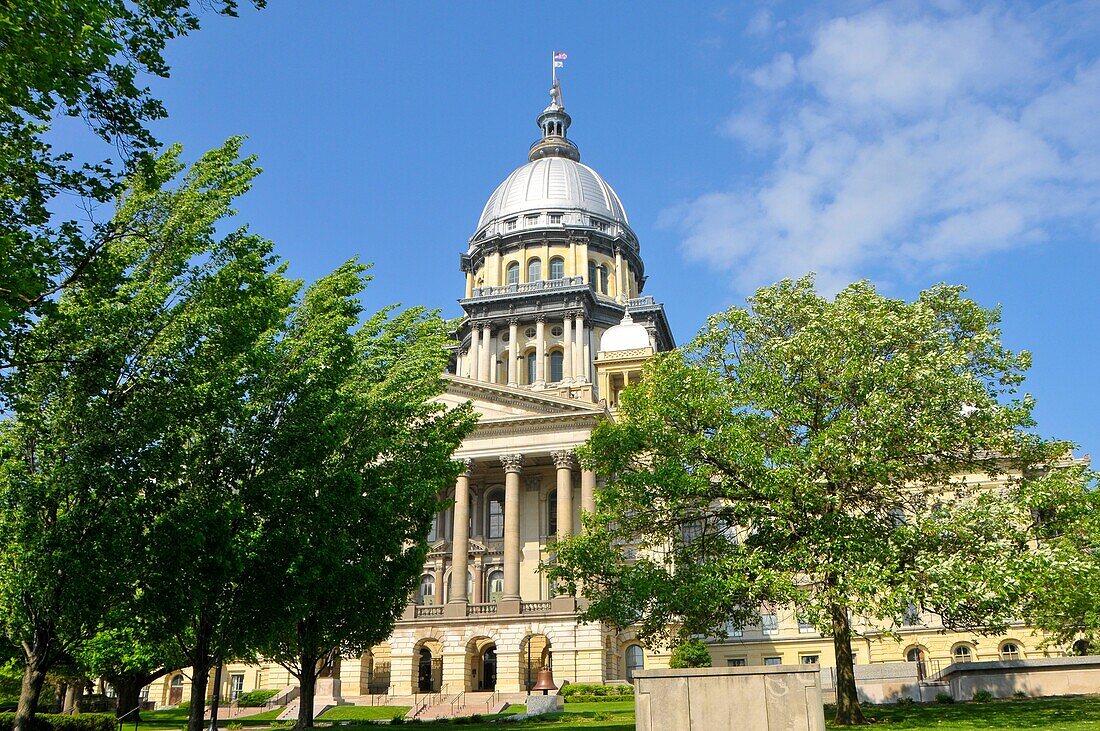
point(905, 142)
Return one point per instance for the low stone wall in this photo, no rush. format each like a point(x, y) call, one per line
point(771, 698)
point(886, 682)
point(1044, 676)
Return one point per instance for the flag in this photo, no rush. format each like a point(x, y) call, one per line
point(559, 60)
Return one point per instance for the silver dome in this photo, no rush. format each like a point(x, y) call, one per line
point(553, 185)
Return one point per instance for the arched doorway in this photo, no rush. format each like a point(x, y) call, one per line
point(428, 656)
point(534, 654)
point(375, 670)
point(635, 660)
point(488, 669)
point(175, 690)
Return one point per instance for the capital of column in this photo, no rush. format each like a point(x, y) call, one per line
point(467, 466)
point(512, 462)
point(563, 459)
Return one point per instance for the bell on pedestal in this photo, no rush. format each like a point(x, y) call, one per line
point(545, 681)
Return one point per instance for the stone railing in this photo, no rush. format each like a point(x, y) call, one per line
point(640, 302)
point(484, 608)
point(428, 611)
point(527, 287)
point(534, 607)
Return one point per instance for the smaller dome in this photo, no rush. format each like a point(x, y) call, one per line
point(627, 335)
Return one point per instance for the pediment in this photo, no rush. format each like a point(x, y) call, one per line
point(494, 402)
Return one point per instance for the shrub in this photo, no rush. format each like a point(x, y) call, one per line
point(982, 696)
point(1020, 695)
point(254, 698)
point(59, 722)
point(905, 701)
point(397, 720)
point(476, 718)
point(612, 692)
point(690, 654)
point(944, 698)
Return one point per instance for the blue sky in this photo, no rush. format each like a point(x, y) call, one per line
point(907, 143)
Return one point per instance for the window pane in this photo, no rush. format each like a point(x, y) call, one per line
point(534, 270)
point(556, 361)
point(769, 623)
point(773, 661)
point(496, 515)
point(552, 513)
point(557, 268)
point(736, 662)
point(531, 368)
point(513, 273)
point(592, 275)
point(603, 279)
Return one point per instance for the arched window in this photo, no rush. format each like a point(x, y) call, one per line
point(635, 660)
point(962, 653)
point(557, 359)
point(531, 370)
point(1010, 651)
point(914, 655)
point(557, 268)
point(502, 367)
point(494, 583)
point(603, 279)
point(427, 589)
point(534, 270)
point(552, 513)
point(593, 275)
point(512, 275)
point(494, 515)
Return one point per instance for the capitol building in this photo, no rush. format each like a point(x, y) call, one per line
point(556, 325)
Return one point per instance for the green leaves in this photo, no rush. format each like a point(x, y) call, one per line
point(811, 452)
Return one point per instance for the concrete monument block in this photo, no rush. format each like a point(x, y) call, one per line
point(538, 704)
point(771, 698)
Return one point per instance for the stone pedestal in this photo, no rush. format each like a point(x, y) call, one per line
point(539, 704)
point(771, 698)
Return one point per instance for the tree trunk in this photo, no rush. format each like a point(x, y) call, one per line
point(34, 675)
point(848, 712)
point(307, 683)
point(128, 690)
point(200, 670)
point(71, 694)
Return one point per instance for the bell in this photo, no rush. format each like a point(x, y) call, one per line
point(545, 681)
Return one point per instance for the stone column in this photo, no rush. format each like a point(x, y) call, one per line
point(563, 461)
point(588, 491)
point(479, 580)
point(475, 349)
point(513, 353)
point(567, 357)
point(619, 278)
point(460, 544)
point(579, 369)
point(485, 369)
point(540, 352)
point(513, 466)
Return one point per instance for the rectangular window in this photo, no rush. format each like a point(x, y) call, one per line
point(736, 662)
point(531, 221)
point(732, 630)
point(911, 616)
point(555, 218)
point(510, 225)
point(769, 624)
point(808, 660)
point(805, 627)
point(773, 661)
point(236, 686)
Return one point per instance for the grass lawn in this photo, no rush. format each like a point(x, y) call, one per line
point(363, 713)
point(175, 718)
point(1055, 714)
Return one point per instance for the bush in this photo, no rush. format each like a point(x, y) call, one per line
point(905, 701)
point(612, 692)
point(1020, 695)
point(397, 720)
point(944, 698)
point(982, 696)
point(59, 722)
point(690, 654)
point(254, 698)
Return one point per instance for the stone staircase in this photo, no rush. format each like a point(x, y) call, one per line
point(452, 705)
point(320, 705)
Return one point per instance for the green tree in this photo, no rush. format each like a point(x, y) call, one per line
point(121, 394)
point(355, 452)
point(806, 452)
point(690, 653)
point(1064, 577)
point(83, 59)
point(128, 656)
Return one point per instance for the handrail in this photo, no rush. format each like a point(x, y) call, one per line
point(137, 719)
point(493, 700)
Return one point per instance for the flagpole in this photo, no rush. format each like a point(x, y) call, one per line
point(553, 67)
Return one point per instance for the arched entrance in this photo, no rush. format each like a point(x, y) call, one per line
point(481, 664)
point(374, 673)
point(175, 690)
point(534, 654)
point(428, 656)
